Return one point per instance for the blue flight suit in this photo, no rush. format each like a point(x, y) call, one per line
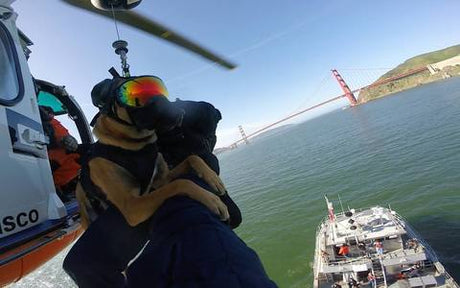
point(189, 247)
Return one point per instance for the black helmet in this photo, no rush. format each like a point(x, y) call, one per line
point(101, 95)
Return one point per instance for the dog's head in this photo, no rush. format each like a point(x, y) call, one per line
point(141, 102)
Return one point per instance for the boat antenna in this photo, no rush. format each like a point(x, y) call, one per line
point(121, 48)
point(340, 201)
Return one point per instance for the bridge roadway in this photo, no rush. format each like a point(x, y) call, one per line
point(393, 78)
point(285, 119)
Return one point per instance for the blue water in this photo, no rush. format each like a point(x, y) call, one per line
point(402, 150)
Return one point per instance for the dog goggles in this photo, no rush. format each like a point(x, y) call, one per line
point(140, 91)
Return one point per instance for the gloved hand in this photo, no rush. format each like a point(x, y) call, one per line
point(70, 143)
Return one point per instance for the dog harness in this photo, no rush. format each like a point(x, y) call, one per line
point(141, 164)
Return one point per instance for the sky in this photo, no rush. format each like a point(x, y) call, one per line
point(284, 49)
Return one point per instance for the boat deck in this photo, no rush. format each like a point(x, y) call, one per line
point(406, 260)
point(368, 224)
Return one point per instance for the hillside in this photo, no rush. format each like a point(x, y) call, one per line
point(416, 79)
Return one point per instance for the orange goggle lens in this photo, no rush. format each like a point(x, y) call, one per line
point(140, 91)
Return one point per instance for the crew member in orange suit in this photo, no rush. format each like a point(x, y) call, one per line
point(61, 152)
point(344, 250)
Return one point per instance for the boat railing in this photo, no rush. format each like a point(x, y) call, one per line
point(414, 234)
point(428, 249)
point(316, 259)
point(348, 261)
point(320, 225)
point(317, 251)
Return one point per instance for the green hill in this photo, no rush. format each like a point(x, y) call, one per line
point(413, 80)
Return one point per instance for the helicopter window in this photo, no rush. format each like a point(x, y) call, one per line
point(10, 87)
point(48, 99)
point(60, 111)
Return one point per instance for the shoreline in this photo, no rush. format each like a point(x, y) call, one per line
point(404, 84)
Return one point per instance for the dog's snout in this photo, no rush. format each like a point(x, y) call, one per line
point(158, 115)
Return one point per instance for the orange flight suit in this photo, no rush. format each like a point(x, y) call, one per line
point(344, 250)
point(67, 163)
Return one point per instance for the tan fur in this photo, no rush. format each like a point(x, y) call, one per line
point(123, 190)
point(110, 132)
point(82, 202)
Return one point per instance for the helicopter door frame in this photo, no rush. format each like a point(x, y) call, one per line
point(27, 182)
point(73, 110)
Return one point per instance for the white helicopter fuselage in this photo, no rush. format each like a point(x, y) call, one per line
point(35, 224)
point(27, 192)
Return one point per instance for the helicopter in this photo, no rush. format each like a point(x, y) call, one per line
point(35, 223)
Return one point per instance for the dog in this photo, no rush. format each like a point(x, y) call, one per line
point(124, 181)
point(118, 186)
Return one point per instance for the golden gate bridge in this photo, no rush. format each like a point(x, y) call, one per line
point(347, 93)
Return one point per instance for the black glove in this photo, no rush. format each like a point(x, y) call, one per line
point(70, 143)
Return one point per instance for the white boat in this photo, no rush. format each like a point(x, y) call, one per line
point(406, 260)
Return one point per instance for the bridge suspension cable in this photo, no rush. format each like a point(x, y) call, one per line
point(367, 80)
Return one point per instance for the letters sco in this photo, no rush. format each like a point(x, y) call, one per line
point(9, 223)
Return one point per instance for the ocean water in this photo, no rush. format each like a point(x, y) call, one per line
point(402, 150)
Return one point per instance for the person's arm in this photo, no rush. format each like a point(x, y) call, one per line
point(59, 131)
point(194, 163)
point(235, 214)
point(62, 136)
point(81, 199)
point(122, 190)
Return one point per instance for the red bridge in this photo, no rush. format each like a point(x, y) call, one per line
point(348, 93)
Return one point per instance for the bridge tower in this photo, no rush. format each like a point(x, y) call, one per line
point(345, 88)
point(243, 134)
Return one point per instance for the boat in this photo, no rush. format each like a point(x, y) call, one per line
point(374, 247)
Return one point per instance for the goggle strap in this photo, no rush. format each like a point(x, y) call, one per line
point(94, 120)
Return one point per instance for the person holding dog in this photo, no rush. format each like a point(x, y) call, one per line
point(114, 236)
point(196, 135)
point(185, 240)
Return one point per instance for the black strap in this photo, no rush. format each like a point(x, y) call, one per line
point(140, 163)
